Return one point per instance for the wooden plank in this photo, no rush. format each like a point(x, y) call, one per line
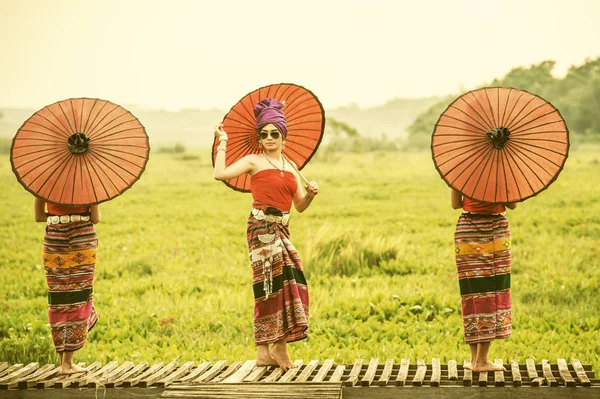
point(7, 372)
point(581, 375)
point(467, 373)
point(322, 373)
point(169, 379)
point(23, 371)
point(150, 380)
point(210, 374)
point(516, 373)
point(239, 375)
point(370, 373)
point(386, 373)
point(23, 379)
point(452, 370)
point(338, 373)
point(255, 375)
point(534, 379)
point(291, 373)
point(353, 377)
point(420, 374)
point(403, 373)
point(547, 371)
point(130, 374)
point(436, 372)
point(233, 367)
point(196, 372)
point(113, 375)
point(60, 377)
point(3, 366)
point(499, 375)
point(133, 381)
point(30, 383)
point(86, 378)
point(565, 374)
point(274, 376)
point(307, 372)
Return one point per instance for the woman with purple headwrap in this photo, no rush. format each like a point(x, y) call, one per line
point(281, 305)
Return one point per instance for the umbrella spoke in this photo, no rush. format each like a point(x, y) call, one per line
point(467, 147)
point(87, 167)
point(525, 147)
point(53, 169)
point(487, 159)
point(523, 124)
point(523, 152)
point(53, 151)
point(104, 138)
point(514, 154)
point(100, 158)
point(56, 154)
point(479, 133)
point(520, 110)
point(71, 128)
point(524, 131)
point(60, 132)
point(535, 133)
point(105, 133)
point(99, 130)
point(458, 141)
point(525, 141)
point(475, 154)
point(106, 154)
point(505, 154)
point(94, 127)
point(495, 121)
point(505, 108)
point(89, 114)
point(469, 150)
point(478, 157)
point(484, 120)
point(480, 126)
point(108, 149)
point(91, 125)
point(54, 136)
point(524, 121)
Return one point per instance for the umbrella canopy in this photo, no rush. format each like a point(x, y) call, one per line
point(305, 122)
point(80, 151)
point(499, 144)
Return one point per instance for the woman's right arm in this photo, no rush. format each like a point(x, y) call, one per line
point(39, 210)
point(238, 168)
point(457, 201)
point(95, 214)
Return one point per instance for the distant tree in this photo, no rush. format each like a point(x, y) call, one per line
point(339, 128)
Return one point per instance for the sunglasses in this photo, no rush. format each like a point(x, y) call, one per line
point(274, 135)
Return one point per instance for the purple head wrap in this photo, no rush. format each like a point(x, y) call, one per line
point(269, 111)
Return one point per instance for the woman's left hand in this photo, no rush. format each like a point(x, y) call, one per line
point(312, 188)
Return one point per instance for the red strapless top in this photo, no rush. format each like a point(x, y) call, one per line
point(470, 205)
point(66, 210)
point(269, 188)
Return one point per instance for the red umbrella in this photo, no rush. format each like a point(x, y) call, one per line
point(79, 151)
point(499, 144)
point(305, 122)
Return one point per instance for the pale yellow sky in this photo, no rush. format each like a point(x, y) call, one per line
point(208, 54)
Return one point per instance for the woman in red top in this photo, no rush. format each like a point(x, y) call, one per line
point(280, 290)
point(482, 253)
point(69, 256)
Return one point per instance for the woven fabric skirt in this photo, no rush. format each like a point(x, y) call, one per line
point(482, 250)
point(69, 256)
point(280, 290)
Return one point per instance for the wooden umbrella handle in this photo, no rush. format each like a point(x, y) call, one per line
point(296, 169)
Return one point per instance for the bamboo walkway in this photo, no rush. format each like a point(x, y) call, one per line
point(310, 380)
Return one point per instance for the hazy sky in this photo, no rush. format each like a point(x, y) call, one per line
point(208, 54)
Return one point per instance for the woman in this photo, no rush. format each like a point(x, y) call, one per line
point(69, 256)
point(482, 250)
point(280, 290)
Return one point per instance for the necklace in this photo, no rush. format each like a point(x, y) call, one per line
point(275, 166)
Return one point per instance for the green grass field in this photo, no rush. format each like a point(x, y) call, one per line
point(174, 282)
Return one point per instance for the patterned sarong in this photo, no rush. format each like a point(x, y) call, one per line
point(280, 290)
point(482, 249)
point(69, 258)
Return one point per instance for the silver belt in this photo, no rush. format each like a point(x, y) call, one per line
point(66, 219)
point(259, 214)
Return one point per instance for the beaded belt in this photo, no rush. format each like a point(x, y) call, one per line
point(66, 219)
point(259, 214)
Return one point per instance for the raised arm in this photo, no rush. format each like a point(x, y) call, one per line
point(456, 199)
point(39, 210)
point(222, 172)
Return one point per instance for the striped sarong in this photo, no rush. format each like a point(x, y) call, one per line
point(69, 257)
point(482, 250)
point(280, 290)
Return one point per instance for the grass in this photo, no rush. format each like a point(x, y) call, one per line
point(173, 279)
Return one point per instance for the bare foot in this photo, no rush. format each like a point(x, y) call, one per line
point(488, 366)
point(268, 360)
point(468, 366)
point(279, 353)
point(72, 369)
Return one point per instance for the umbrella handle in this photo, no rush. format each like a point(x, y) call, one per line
point(296, 169)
